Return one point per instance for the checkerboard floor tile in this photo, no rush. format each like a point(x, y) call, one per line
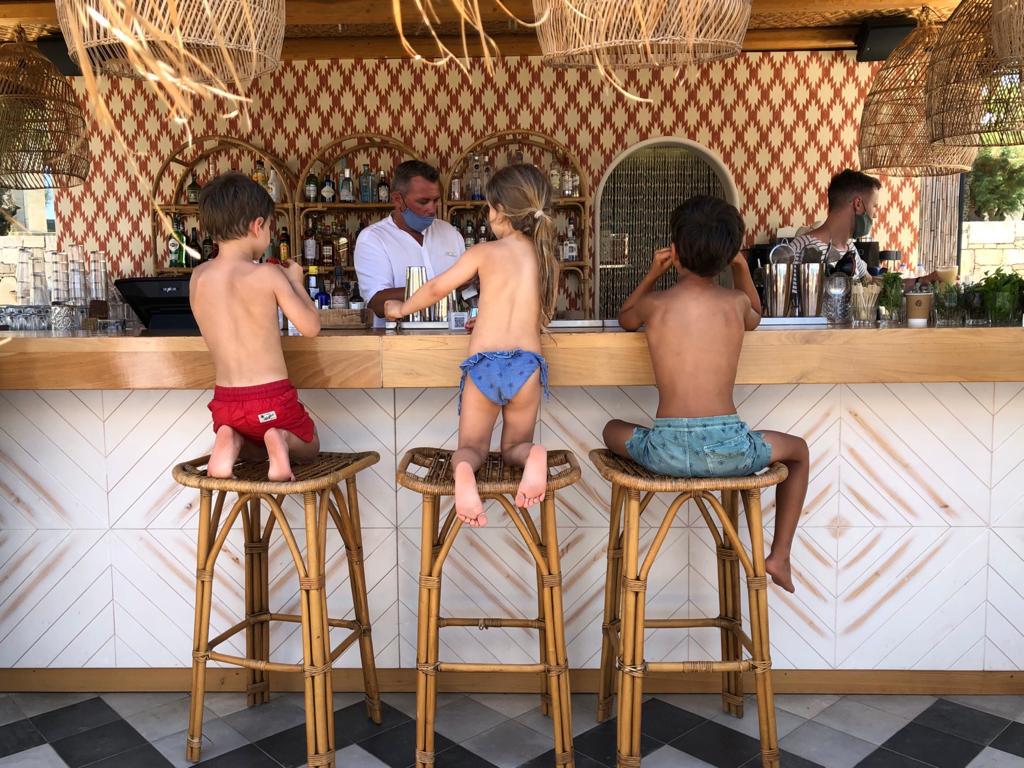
point(492, 731)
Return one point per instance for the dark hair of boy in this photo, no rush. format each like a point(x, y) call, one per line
point(847, 185)
point(229, 203)
point(707, 233)
point(410, 169)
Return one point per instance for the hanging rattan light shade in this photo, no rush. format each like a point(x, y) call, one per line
point(1008, 28)
point(43, 140)
point(211, 42)
point(893, 133)
point(974, 97)
point(631, 34)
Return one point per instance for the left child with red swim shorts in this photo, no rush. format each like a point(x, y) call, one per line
point(256, 410)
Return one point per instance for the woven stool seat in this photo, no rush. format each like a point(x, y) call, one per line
point(628, 474)
point(429, 470)
point(251, 476)
point(327, 490)
point(626, 583)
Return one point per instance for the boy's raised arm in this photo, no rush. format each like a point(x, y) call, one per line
point(631, 315)
point(297, 305)
point(743, 282)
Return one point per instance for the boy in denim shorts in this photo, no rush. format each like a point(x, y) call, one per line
point(695, 334)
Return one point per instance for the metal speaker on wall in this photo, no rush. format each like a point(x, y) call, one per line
point(199, 41)
point(893, 130)
point(973, 94)
point(43, 139)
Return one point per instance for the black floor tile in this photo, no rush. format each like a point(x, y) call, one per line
point(77, 718)
point(666, 722)
point(397, 746)
point(1011, 740)
point(885, 758)
point(789, 760)
point(289, 746)
point(599, 742)
point(19, 736)
point(98, 743)
point(719, 745)
point(965, 722)
point(548, 759)
point(933, 747)
point(145, 756)
point(458, 756)
point(352, 725)
point(243, 757)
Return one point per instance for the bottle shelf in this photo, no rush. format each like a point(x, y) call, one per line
point(193, 209)
point(307, 207)
point(558, 202)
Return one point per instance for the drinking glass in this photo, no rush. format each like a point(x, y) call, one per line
point(975, 313)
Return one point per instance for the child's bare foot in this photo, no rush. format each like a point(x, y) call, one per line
point(277, 451)
point(534, 484)
point(468, 506)
point(781, 571)
point(225, 453)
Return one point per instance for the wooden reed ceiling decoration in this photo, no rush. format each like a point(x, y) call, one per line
point(346, 29)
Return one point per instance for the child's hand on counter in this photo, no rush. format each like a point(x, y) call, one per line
point(393, 309)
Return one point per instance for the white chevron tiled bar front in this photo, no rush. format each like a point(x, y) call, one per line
point(910, 554)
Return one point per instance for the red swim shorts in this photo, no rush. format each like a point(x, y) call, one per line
point(251, 411)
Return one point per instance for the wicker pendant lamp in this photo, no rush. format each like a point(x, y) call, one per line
point(1008, 28)
point(893, 133)
point(220, 43)
point(631, 34)
point(43, 141)
point(974, 97)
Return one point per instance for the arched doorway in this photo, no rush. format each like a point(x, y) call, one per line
point(636, 197)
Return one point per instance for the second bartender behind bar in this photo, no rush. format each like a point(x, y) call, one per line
point(411, 236)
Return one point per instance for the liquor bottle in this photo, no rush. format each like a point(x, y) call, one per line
point(519, 157)
point(355, 301)
point(312, 188)
point(284, 248)
point(366, 187)
point(476, 186)
point(383, 189)
point(327, 190)
point(483, 233)
point(176, 244)
point(468, 233)
point(259, 175)
point(340, 245)
point(309, 249)
point(275, 187)
point(192, 191)
point(322, 297)
point(346, 194)
point(571, 248)
point(363, 224)
point(339, 294)
point(488, 170)
point(193, 251)
point(326, 247)
point(575, 184)
point(555, 177)
point(311, 282)
point(209, 247)
point(455, 189)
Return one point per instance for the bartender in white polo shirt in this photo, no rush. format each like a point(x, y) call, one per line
point(410, 237)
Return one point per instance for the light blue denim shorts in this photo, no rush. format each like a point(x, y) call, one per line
point(714, 446)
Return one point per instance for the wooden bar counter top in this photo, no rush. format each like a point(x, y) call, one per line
point(368, 359)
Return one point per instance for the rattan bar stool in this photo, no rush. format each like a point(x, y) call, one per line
point(428, 471)
point(622, 647)
point(319, 484)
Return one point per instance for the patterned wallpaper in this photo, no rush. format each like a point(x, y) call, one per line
point(782, 123)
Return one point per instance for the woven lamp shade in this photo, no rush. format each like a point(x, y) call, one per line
point(43, 141)
point(893, 132)
point(632, 34)
point(974, 97)
point(1008, 28)
point(202, 41)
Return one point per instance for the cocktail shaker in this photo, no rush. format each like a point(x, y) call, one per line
point(415, 278)
point(778, 289)
point(811, 288)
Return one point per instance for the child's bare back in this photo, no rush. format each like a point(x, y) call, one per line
point(509, 316)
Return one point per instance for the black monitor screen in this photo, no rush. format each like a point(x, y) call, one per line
point(160, 302)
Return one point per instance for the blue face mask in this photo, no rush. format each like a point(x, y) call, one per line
point(416, 221)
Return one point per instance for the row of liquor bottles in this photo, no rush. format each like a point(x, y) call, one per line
point(369, 187)
point(269, 181)
point(476, 230)
point(330, 290)
point(565, 181)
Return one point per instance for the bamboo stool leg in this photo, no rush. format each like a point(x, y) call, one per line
point(427, 636)
point(316, 645)
point(553, 634)
point(612, 606)
point(730, 608)
point(632, 644)
point(545, 687)
point(201, 629)
point(257, 606)
point(757, 587)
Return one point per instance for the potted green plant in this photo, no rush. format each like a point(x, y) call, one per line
point(890, 301)
point(949, 310)
point(1003, 294)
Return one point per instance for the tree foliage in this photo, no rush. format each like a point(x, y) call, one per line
point(996, 185)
